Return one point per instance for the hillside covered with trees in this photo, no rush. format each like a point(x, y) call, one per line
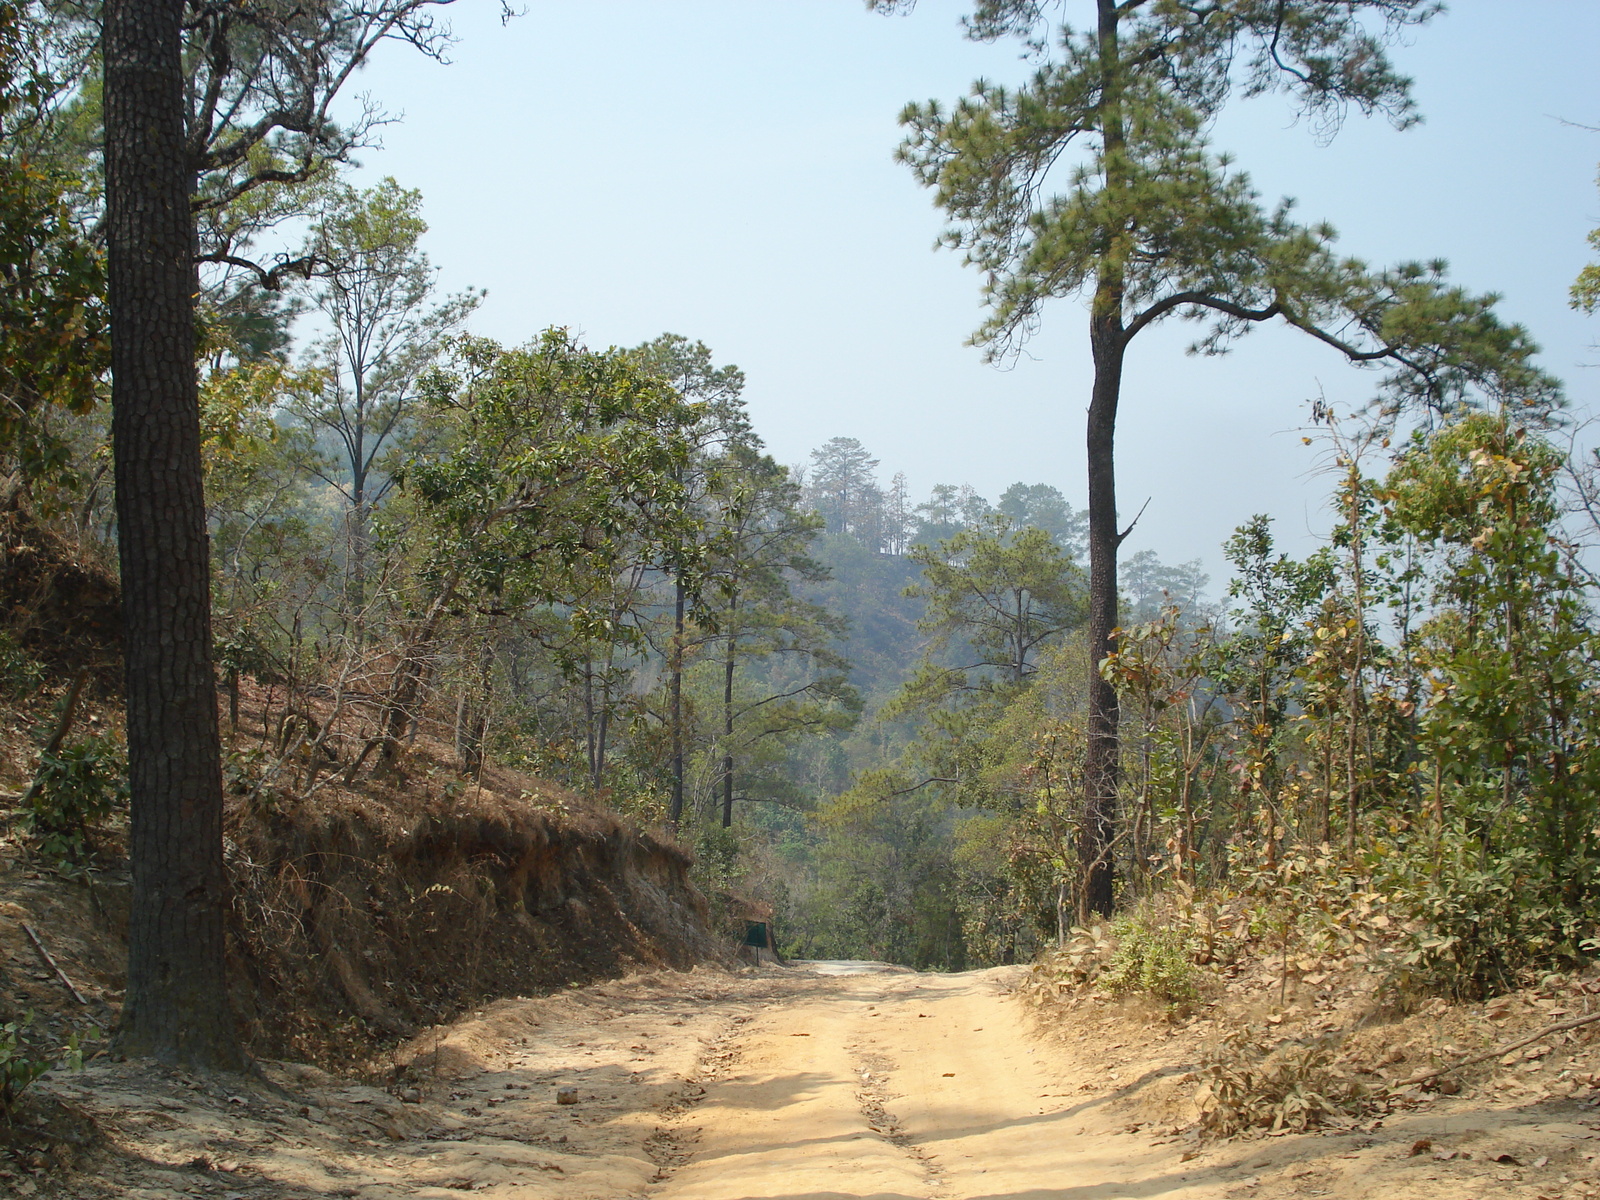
point(317, 556)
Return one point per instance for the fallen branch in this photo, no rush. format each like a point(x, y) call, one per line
point(52, 964)
point(1562, 1027)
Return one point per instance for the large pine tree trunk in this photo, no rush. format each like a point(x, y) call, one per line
point(676, 812)
point(1101, 761)
point(177, 1005)
point(1108, 344)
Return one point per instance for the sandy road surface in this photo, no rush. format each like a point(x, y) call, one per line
point(821, 1083)
point(906, 1086)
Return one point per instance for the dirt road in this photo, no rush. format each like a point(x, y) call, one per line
point(902, 1086)
point(824, 1083)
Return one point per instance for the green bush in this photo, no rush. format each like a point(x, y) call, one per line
point(716, 859)
point(20, 674)
point(18, 1066)
point(77, 790)
point(1489, 922)
point(1153, 958)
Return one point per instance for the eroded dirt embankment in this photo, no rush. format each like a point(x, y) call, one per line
point(394, 910)
point(366, 905)
point(360, 918)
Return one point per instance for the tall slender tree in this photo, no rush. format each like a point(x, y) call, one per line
point(724, 424)
point(1151, 223)
point(760, 552)
point(383, 330)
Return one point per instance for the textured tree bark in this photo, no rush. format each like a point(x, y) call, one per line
point(1101, 757)
point(1108, 343)
point(177, 1006)
point(729, 666)
point(676, 813)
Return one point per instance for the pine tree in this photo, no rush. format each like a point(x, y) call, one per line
point(1152, 223)
point(179, 141)
point(842, 487)
point(177, 1002)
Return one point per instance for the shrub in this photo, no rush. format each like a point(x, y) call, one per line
point(1152, 957)
point(20, 674)
point(18, 1066)
point(1484, 923)
point(77, 789)
point(1293, 1086)
point(22, 1064)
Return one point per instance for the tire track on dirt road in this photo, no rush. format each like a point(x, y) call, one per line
point(796, 1116)
point(909, 1087)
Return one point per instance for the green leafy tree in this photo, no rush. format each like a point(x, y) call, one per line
point(54, 338)
point(1254, 666)
point(554, 460)
point(1003, 594)
point(603, 654)
point(374, 290)
point(886, 883)
point(1020, 794)
point(1512, 721)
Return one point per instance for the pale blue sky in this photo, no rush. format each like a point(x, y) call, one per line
point(723, 169)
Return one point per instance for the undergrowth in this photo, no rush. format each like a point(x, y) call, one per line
point(75, 793)
point(1304, 935)
point(20, 673)
point(1154, 958)
point(1248, 1083)
point(24, 1062)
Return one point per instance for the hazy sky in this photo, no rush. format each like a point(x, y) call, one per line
point(724, 169)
